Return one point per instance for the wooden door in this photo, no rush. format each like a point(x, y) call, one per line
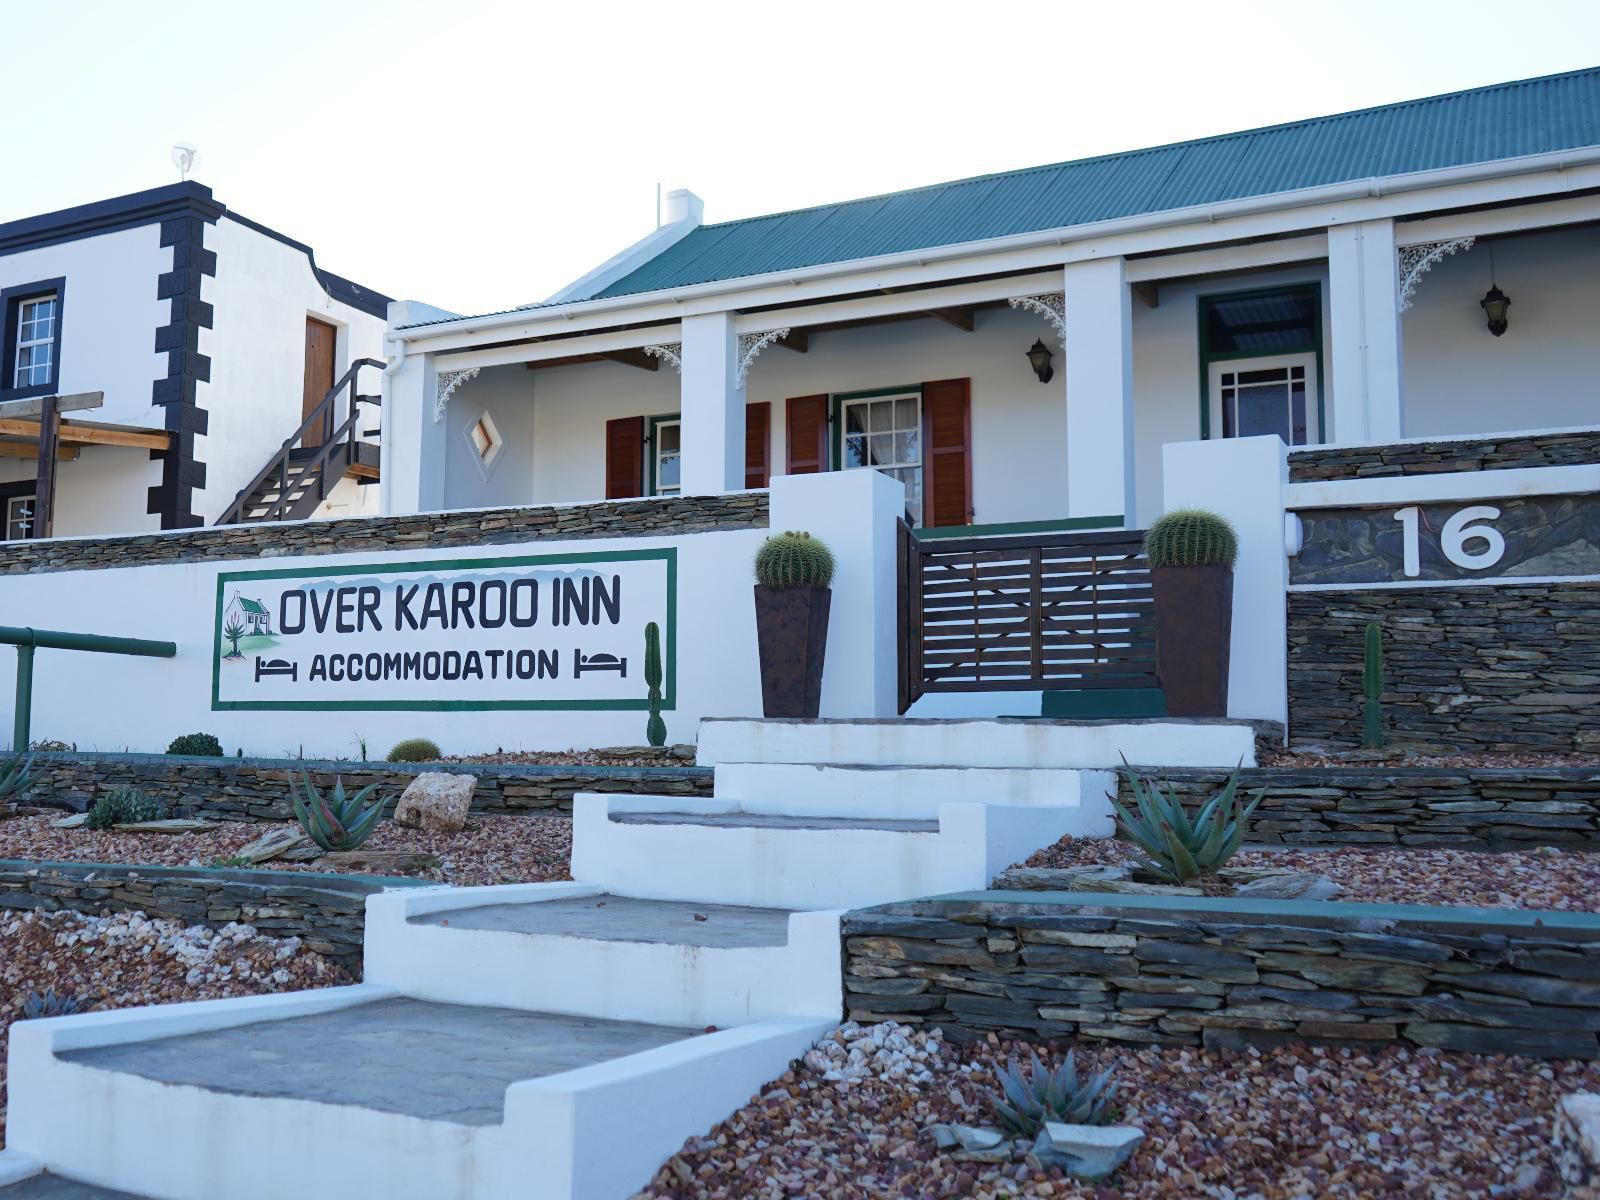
point(320, 341)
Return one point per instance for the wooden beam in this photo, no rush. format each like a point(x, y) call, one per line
point(632, 358)
point(799, 340)
point(81, 433)
point(961, 318)
point(44, 490)
point(77, 402)
point(30, 450)
point(1148, 291)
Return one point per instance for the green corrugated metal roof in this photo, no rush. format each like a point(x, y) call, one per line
point(1506, 120)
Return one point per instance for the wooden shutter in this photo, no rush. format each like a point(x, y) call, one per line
point(947, 452)
point(757, 444)
point(806, 429)
point(624, 458)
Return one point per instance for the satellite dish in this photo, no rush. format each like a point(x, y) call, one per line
point(184, 156)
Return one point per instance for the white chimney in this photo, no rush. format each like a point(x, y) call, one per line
point(682, 205)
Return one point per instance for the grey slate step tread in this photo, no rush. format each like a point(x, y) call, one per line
point(741, 820)
point(625, 919)
point(439, 1062)
point(54, 1187)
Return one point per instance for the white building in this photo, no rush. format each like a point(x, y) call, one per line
point(187, 344)
point(1324, 279)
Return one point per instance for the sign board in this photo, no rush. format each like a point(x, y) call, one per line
point(539, 632)
point(1518, 537)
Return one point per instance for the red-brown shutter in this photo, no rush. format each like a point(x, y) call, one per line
point(757, 444)
point(946, 452)
point(806, 424)
point(624, 458)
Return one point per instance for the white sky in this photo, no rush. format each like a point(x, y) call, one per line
point(479, 155)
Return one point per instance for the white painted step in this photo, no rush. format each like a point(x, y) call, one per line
point(669, 848)
point(575, 948)
point(852, 790)
point(357, 1092)
point(979, 742)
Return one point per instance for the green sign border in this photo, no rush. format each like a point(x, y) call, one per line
point(669, 700)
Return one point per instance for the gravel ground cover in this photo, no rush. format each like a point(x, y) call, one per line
point(1295, 1123)
point(491, 849)
point(1546, 878)
point(127, 959)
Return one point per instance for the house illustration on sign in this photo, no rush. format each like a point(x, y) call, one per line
point(250, 615)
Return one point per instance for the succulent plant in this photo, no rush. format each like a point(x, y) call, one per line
point(1372, 686)
point(124, 806)
point(1181, 847)
point(1191, 537)
point(416, 750)
point(51, 1003)
point(655, 729)
point(200, 745)
point(337, 821)
point(1045, 1095)
point(16, 776)
point(788, 560)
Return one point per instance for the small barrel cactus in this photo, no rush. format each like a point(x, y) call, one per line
point(1191, 537)
point(790, 560)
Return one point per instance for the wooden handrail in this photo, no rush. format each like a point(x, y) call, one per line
point(280, 461)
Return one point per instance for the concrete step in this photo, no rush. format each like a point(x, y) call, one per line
point(711, 850)
point(580, 949)
point(359, 1091)
point(911, 793)
point(978, 742)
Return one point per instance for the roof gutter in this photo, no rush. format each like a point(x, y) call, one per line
point(1358, 189)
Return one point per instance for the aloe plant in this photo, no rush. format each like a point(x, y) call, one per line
point(1045, 1095)
point(51, 1003)
point(16, 776)
point(339, 821)
point(1181, 847)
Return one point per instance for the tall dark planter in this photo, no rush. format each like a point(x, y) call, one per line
point(792, 635)
point(1194, 630)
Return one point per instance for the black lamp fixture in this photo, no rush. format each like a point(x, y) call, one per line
point(1495, 302)
point(1039, 357)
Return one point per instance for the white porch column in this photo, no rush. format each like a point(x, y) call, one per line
point(1099, 385)
point(412, 442)
point(1364, 311)
point(712, 431)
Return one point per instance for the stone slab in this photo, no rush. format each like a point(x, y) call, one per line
point(438, 1062)
point(773, 821)
point(624, 919)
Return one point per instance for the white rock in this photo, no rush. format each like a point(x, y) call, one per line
point(1296, 886)
point(436, 802)
point(1087, 1151)
point(1577, 1140)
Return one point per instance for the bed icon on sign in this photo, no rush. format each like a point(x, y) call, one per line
point(598, 662)
point(266, 667)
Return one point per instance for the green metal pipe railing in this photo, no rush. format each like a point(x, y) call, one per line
point(27, 640)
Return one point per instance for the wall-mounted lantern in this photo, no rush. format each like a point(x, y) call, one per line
point(1495, 302)
point(1039, 358)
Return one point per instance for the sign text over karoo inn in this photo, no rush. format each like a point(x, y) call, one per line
point(527, 632)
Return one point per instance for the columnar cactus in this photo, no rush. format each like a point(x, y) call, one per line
point(791, 560)
point(1372, 685)
point(655, 729)
point(1191, 537)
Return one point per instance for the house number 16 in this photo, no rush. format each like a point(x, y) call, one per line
point(1453, 538)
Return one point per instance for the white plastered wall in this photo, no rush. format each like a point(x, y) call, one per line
point(109, 317)
point(262, 294)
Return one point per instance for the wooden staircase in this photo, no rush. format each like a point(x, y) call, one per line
point(313, 459)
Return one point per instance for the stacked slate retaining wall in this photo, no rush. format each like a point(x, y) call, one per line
point(1225, 973)
point(418, 531)
point(1468, 808)
point(1445, 455)
point(327, 911)
point(257, 789)
point(1496, 668)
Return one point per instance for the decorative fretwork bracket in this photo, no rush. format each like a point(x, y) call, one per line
point(1052, 306)
point(449, 381)
point(1416, 260)
point(668, 352)
point(752, 344)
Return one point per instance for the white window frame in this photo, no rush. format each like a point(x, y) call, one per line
point(656, 486)
point(12, 504)
point(1266, 362)
point(847, 400)
point(25, 343)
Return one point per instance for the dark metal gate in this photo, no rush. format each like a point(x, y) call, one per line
point(1039, 612)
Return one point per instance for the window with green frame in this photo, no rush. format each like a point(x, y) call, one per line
point(1261, 363)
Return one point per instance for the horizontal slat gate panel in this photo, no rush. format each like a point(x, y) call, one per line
point(1055, 611)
